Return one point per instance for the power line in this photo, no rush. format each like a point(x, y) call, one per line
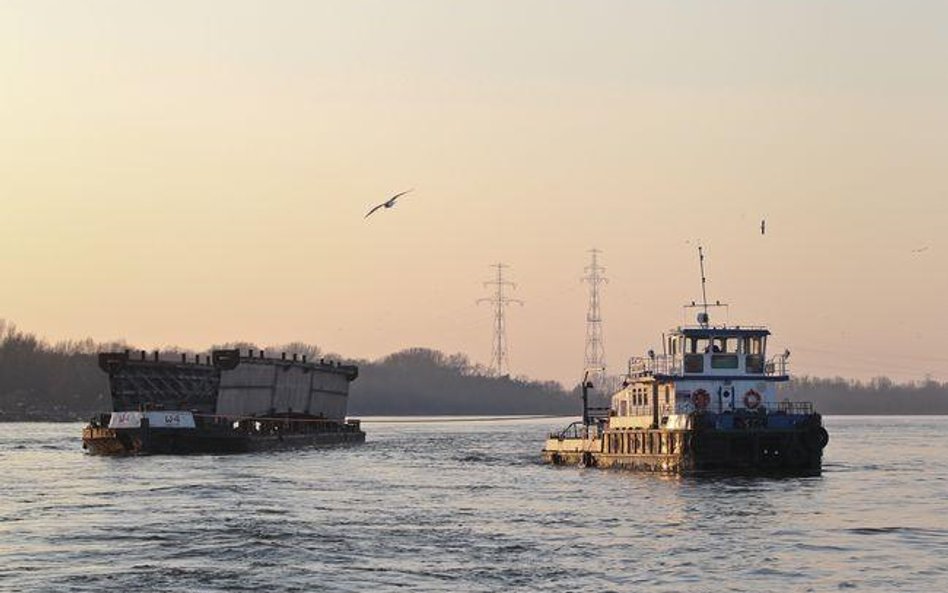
point(500, 364)
point(595, 350)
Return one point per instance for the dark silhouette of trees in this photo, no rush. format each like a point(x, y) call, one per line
point(877, 396)
point(423, 381)
point(42, 381)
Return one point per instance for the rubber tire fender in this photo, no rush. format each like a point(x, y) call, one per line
point(817, 438)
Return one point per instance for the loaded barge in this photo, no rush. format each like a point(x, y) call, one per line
point(222, 403)
point(707, 403)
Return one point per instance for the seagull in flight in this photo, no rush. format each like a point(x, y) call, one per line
point(388, 203)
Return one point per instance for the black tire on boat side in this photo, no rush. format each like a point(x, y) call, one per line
point(816, 438)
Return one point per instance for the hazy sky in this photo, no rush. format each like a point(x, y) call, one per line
point(185, 173)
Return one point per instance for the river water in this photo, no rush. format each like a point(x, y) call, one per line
point(466, 506)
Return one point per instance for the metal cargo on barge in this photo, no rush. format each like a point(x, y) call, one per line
point(707, 403)
point(225, 403)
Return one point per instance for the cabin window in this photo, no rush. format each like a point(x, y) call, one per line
point(754, 345)
point(724, 361)
point(694, 363)
point(717, 345)
point(696, 345)
point(754, 364)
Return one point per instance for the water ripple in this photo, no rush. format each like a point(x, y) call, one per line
point(468, 507)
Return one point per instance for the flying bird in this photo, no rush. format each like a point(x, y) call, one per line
point(763, 226)
point(388, 203)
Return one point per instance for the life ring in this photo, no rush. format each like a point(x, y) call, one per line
point(816, 438)
point(701, 399)
point(751, 399)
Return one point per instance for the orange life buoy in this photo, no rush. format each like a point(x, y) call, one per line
point(701, 399)
point(751, 399)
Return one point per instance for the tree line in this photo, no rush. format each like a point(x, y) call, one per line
point(61, 381)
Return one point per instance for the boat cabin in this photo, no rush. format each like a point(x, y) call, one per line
point(705, 368)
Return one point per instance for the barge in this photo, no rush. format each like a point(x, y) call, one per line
point(225, 402)
point(707, 403)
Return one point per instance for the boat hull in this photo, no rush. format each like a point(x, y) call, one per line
point(158, 441)
point(797, 451)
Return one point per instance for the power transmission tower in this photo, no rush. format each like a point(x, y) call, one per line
point(595, 351)
point(500, 365)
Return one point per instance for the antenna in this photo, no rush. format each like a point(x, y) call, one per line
point(595, 351)
point(703, 317)
point(499, 362)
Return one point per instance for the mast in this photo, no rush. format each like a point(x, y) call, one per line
point(703, 317)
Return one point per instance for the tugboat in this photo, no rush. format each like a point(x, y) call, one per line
point(225, 403)
point(707, 403)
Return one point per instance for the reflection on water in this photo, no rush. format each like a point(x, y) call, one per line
point(466, 506)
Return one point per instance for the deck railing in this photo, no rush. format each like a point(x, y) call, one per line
point(576, 430)
point(682, 407)
point(675, 364)
point(789, 407)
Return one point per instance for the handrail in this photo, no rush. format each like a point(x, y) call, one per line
point(790, 407)
point(674, 364)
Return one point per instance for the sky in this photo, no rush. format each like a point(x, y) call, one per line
point(180, 174)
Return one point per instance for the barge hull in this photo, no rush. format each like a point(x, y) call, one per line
point(119, 442)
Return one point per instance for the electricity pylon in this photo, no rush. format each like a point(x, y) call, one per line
point(500, 365)
point(595, 351)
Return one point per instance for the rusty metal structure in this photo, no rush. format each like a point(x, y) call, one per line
point(226, 401)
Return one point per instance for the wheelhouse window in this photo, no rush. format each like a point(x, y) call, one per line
point(698, 345)
point(754, 364)
point(724, 361)
point(753, 348)
point(754, 345)
point(694, 363)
